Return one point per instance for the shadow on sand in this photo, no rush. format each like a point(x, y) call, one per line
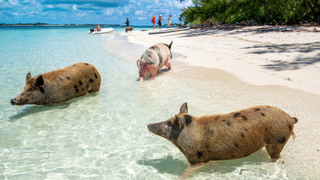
point(298, 63)
point(33, 109)
point(177, 167)
point(266, 48)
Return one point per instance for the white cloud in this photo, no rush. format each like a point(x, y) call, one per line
point(120, 12)
point(79, 15)
point(29, 1)
point(49, 6)
point(108, 12)
point(127, 8)
point(74, 7)
point(139, 13)
point(14, 2)
point(183, 4)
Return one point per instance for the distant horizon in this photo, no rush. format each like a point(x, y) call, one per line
point(90, 12)
point(70, 24)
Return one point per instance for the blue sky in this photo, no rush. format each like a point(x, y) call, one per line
point(139, 12)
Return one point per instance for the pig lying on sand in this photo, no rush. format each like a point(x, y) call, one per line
point(227, 136)
point(60, 85)
point(153, 59)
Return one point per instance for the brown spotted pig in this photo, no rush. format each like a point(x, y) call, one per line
point(227, 136)
point(60, 85)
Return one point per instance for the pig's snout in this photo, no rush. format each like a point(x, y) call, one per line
point(13, 101)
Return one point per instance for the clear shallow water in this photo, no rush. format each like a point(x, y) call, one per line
point(104, 136)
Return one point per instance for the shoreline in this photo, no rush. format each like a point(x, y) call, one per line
point(271, 58)
point(247, 82)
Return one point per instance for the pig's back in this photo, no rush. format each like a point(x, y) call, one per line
point(74, 81)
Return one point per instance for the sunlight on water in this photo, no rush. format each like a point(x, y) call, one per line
point(104, 135)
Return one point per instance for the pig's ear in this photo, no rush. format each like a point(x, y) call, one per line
point(184, 108)
point(178, 122)
point(39, 81)
point(182, 122)
point(28, 76)
point(140, 63)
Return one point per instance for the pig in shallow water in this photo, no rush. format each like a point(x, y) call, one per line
point(153, 59)
point(60, 85)
point(227, 136)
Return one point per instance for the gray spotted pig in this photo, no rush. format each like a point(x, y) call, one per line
point(227, 136)
point(153, 59)
point(60, 85)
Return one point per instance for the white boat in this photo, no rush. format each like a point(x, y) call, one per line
point(103, 31)
point(169, 30)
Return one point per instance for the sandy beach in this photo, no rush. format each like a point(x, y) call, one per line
point(283, 62)
point(262, 58)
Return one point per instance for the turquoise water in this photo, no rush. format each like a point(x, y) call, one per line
point(104, 135)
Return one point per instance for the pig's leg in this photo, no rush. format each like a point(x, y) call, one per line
point(153, 71)
point(152, 75)
point(168, 64)
point(190, 170)
point(274, 150)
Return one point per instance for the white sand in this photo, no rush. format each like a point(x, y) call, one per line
point(272, 58)
point(287, 62)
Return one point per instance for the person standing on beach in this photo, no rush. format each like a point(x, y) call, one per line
point(169, 22)
point(153, 20)
point(127, 22)
point(159, 21)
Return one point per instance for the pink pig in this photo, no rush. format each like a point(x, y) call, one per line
point(153, 59)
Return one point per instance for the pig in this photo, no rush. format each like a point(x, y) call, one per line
point(153, 59)
point(128, 29)
point(60, 85)
point(227, 136)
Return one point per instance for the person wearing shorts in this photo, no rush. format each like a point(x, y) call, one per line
point(159, 21)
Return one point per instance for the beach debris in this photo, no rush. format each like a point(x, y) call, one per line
point(227, 136)
point(60, 85)
point(153, 59)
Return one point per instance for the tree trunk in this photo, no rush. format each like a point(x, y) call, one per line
point(313, 10)
point(270, 16)
point(244, 16)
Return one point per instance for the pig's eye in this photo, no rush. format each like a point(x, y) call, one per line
point(31, 89)
point(169, 124)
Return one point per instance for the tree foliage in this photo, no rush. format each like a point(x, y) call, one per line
point(261, 11)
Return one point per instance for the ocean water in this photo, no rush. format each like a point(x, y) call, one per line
point(104, 135)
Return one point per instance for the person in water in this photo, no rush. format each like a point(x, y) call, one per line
point(98, 27)
point(127, 22)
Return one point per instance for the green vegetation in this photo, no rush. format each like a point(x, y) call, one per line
point(261, 11)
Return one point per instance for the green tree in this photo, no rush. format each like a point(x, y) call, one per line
point(261, 11)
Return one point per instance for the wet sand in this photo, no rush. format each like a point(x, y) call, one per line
point(252, 82)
